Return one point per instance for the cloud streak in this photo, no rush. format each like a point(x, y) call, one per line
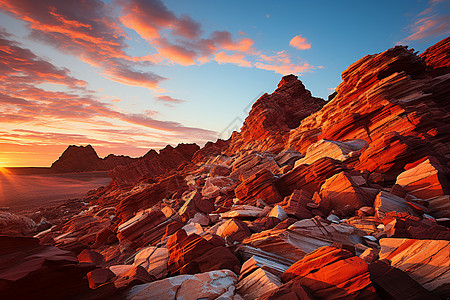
point(431, 22)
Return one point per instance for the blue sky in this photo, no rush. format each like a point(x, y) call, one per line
point(127, 76)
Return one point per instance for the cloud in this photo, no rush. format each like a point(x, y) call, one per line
point(430, 22)
point(300, 42)
point(24, 104)
point(285, 69)
point(169, 101)
point(236, 58)
point(87, 29)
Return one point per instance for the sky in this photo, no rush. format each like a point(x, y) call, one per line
point(129, 76)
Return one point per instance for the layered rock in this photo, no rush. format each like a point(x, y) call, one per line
point(426, 261)
point(259, 186)
point(272, 116)
point(382, 93)
point(332, 271)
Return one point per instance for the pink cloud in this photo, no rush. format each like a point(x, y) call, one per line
point(236, 58)
point(169, 101)
point(430, 22)
point(300, 42)
point(285, 69)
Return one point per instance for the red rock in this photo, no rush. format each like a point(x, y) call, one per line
point(234, 229)
point(296, 204)
point(210, 150)
point(220, 170)
point(84, 158)
point(135, 275)
point(263, 223)
point(248, 164)
point(258, 186)
point(146, 228)
point(425, 261)
point(340, 191)
point(437, 57)
point(150, 195)
point(90, 256)
point(393, 283)
point(309, 178)
point(332, 271)
point(272, 116)
point(209, 285)
point(154, 164)
point(287, 157)
point(337, 150)
point(193, 254)
point(425, 180)
point(256, 283)
point(13, 224)
point(215, 186)
point(99, 277)
point(194, 204)
point(386, 202)
point(32, 271)
point(289, 291)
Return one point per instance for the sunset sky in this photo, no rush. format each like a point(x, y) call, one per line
point(128, 76)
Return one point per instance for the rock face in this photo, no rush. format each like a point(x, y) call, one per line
point(345, 201)
point(332, 271)
point(84, 158)
point(382, 94)
point(272, 116)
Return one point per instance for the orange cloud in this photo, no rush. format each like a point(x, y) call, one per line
point(236, 58)
point(86, 29)
point(300, 42)
point(169, 101)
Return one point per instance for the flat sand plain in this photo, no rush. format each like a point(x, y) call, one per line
point(26, 189)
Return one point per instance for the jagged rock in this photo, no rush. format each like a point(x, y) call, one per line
point(209, 285)
point(258, 186)
point(194, 204)
point(424, 180)
point(135, 275)
point(243, 211)
point(90, 256)
point(296, 205)
point(439, 206)
point(146, 227)
point(257, 283)
point(337, 150)
point(380, 94)
point(248, 164)
point(278, 212)
point(154, 260)
point(234, 229)
point(303, 237)
point(425, 261)
point(272, 116)
point(340, 191)
point(13, 224)
point(220, 170)
point(32, 271)
point(287, 157)
point(149, 196)
point(214, 186)
point(99, 277)
point(309, 178)
point(154, 164)
point(437, 58)
point(193, 254)
point(332, 272)
point(393, 283)
point(386, 202)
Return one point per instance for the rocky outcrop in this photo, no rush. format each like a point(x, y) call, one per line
point(84, 158)
point(272, 116)
point(426, 261)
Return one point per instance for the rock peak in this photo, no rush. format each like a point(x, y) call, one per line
point(287, 79)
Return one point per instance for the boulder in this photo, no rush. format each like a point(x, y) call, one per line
point(425, 261)
point(219, 284)
point(258, 186)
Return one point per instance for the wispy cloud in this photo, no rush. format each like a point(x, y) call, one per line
point(432, 22)
point(169, 101)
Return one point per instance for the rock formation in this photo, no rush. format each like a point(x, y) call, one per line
point(344, 200)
